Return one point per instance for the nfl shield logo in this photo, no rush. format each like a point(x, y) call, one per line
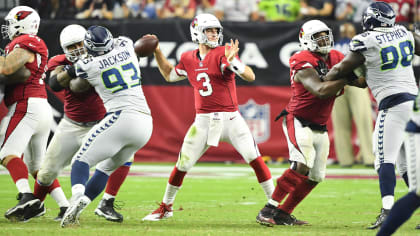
point(258, 119)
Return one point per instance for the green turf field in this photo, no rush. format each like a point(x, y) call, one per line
point(211, 203)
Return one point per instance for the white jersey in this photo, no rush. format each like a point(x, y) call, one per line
point(388, 53)
point(116, 77)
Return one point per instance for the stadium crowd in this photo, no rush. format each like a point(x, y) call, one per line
point(230, 10)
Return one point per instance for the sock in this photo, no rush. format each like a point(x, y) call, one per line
point(387, 182)
point(19, 173)
point(268, 187)
point(79, 173)
point(387, 202)
point(116, 179)
point(77, 189)
point(294, 198)
point(176, 177)
point(405, 178)
point(273, 202)
point(40, 191)
point(261, 170)
point(286, 184)
point(170, 194)
point(400, 212)
point(107, 196)
point(96, 184)
point(58, 195)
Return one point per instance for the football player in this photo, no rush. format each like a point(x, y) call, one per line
point(81, 111)
point(211, 70)
point(405, 206)
point(304, 122)
point(112, 69)
point(26, 127)
point(386, 50)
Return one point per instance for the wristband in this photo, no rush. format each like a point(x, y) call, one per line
point(237, 66)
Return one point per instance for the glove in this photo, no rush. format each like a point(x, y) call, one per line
point(321, 68)
point(70, 70)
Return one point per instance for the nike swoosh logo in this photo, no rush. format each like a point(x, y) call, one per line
point(232, 118)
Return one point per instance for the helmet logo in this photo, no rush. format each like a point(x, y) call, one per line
point(301, 33)
point(22, 15)
point(194, 22)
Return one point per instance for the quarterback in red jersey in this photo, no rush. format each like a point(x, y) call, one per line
point(304, 123)
point(26, 127)
point(211, 72)
point(82, 110)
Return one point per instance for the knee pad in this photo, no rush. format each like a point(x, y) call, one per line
point(316, 176)
point(46, 178)
point(184, 163)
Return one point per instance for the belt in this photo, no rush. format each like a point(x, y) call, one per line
point(84, 124)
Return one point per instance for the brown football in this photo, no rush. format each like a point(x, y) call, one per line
point(145, 46)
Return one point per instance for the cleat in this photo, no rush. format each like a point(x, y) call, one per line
point(106, 209)
point(418, 226)
point(164, 211)
point(270, 215)
point(33, 211)
point(61, 214)
point(71, 217)
point(17, 212)
point(266, 215)
point(379, 219)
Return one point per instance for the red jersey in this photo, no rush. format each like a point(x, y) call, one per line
point(34, 86)
point(214, 85)
point(303, 104)
point(80, 107)
point(404, 9)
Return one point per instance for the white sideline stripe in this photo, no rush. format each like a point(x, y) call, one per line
point(227, 170)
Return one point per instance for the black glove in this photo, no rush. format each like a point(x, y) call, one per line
point(70, 70)
point(321, 68)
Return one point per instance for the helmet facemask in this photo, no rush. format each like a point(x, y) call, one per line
point(75, 51)
point(323, 43)
point(212, 43)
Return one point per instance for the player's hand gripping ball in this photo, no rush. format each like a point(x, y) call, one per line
point(146, 45)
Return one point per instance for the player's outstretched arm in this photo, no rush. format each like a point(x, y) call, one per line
point(244, 71)
point(15, 60)
point(59, 79)
point(20, 76)
point(343, 69)
point(312, 82)
point(165, 67)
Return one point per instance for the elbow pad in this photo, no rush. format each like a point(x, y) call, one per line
point(54, 84)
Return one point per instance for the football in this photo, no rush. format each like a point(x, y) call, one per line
point(146, 45)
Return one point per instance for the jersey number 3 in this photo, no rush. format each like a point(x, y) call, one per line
point(206, 84)
point(391, 55)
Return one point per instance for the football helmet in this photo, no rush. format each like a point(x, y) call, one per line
point(202, 22)
point(378, 15)
point(322, 44)
point(98, 40)
point(71, 35)
point(20, 20)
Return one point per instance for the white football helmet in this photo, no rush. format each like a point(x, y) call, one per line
point(70, 35)
point(20, 20)
point(200, 24)
point(309, 42)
